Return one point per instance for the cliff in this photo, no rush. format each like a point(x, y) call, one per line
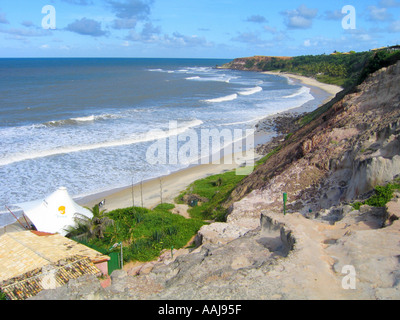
point(322, 248)
point(251, 63)
point(336, 158)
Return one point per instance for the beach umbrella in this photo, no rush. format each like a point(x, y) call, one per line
point(55, 213)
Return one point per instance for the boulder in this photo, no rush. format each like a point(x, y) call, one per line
point(219, 233)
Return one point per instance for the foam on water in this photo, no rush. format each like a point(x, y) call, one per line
point(302, 90)
point(250, 91)
point(222, 99)
point(137, 138)
point(91, 133)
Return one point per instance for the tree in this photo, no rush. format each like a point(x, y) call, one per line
point(91, 227)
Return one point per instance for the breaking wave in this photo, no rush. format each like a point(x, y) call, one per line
point(137, 138)
point(230, 97)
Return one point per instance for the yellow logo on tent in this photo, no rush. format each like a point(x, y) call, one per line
point(61, 210)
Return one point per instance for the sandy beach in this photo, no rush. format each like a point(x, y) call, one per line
point(148, 193)
point(330, 88)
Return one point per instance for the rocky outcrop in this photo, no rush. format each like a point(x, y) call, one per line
point(288, 257)
point(321, 249)
point(220, 233)
point(338, 157)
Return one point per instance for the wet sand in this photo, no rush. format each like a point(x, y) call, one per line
point(151, 192)
point(164, 189)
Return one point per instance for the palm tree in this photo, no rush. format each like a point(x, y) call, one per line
point(91, 227)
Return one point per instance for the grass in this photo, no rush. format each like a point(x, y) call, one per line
point(269, 155)
point(216, 189)
point(145, 233)
point(382, 195)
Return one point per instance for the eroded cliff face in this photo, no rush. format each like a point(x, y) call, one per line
point(339, 157)
point(261, 253)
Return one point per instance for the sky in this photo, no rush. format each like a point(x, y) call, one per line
point(194, 28)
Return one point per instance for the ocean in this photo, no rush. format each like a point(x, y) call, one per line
point(86, 124)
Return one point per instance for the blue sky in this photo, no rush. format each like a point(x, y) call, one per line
point(194, 28)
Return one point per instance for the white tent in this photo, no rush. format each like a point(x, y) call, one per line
point(54, 213)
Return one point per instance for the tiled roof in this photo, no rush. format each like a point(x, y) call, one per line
point(31, 283)
point(21, 252)
point(31, 261)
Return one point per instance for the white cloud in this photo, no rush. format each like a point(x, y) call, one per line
point(149, 33)
point(128, 13)
point(389, 3)
point(298, 22)
point(247, 37)
point(3, 18)
point(300, 18)
point(379, 14)
point(333, 15)
point(129, 9)
point(27, 32)
point(181, 40)
point(87, 27)
point(124, 23)
point(270, 29)
point(27, 23)
point(79, 2)
point(256, 19)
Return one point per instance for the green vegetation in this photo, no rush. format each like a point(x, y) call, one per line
point(339, 69)
point(381, 196)
point(380, 59)
point(342, 69)
point(90, 228)
point(249, 64)
point(216, 189)
point(269, 155)
point(375, 61)
point(3, 295)
point(143, 232)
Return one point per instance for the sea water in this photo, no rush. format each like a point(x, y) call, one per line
point(86, 124)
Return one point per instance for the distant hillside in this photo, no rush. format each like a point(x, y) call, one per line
point(343, 69)
point(255, 63)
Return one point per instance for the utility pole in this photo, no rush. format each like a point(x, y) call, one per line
point(161, 191)
point(133, 195)
point(141, 191)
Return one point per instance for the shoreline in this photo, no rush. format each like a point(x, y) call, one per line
point(174, 183)
point(329, 88)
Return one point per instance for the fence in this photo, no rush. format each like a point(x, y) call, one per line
point(114, 263)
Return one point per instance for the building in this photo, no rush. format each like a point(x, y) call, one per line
point(31, 261)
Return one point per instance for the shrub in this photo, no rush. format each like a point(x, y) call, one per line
point(381, 196)
point(144, 233)
point(216, 189)
point(165, 207)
